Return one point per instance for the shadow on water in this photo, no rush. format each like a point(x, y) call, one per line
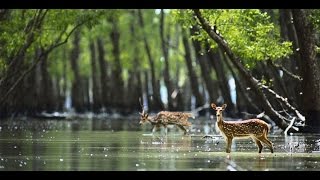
point(121, 144)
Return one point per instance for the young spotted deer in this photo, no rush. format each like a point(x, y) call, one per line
point(254, 128)
point(165, 118)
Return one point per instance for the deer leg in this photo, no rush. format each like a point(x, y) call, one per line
point(258, 144)
point(267, 142)
point(165, 130)
point(183, 128)
point(154, 129)
point(229, 143)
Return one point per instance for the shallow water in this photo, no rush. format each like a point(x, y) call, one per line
point(121, 144)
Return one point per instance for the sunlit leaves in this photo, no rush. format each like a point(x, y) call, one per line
point(250, 33)
point(315, 18)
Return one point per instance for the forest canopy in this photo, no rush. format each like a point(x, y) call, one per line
point(254, 60)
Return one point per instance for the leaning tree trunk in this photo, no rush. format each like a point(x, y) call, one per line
point(254, 83)
point(310, 71)
point(260, 71)
point(192, 74)
point(244, 102)
point(156, 100)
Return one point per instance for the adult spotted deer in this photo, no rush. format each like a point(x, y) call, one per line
point(254, 128)
point(165, 118)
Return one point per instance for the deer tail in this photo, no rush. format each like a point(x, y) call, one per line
point(268, 128)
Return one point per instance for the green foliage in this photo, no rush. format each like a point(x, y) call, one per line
point(315, 17)
point(54, 28)
point(249, 33)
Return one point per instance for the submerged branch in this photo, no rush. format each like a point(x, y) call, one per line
point(291, 126)
point(284, 100)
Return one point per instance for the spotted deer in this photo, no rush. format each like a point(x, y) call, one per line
point(254, 128)
point(165, 118)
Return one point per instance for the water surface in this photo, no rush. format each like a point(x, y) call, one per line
point(118, 144)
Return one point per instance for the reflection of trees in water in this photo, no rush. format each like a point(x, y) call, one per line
point(311, 143)
point(115, 124)
point(75, 149)
point(301, 143)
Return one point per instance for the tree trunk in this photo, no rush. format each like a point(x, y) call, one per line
point(192, 74)
point(205, 70)
point(96, 105)
point(134, 89)
point(223, 81)
point(165, 52)
point(147, 90)
point(86, 95)
point(293, 63)
point(156, 98)
point(63, 93)
point(117, 90)
point(188, 96)
point(77, 91)
point(310, 71)
point(46, 86)
point(103, 74)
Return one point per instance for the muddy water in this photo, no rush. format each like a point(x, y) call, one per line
point(121, 144)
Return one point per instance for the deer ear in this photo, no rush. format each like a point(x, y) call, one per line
point(213, 106)
point(224, 106)
point(140, 113)
point(146, 115)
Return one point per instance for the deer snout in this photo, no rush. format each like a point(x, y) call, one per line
point(140, 123)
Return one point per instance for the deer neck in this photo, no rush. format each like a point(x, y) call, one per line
point(151, 120)
point(220, 119)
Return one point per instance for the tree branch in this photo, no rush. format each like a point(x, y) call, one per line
point(284, 100)
point(279, 119)
point(287, 72)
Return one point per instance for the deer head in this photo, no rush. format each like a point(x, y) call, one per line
point(218, 109)
point(143, 115)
